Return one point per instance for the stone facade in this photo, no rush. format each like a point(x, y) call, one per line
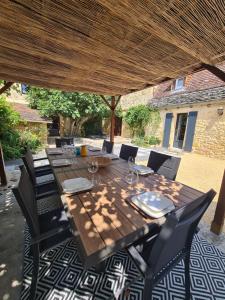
point(209, 137)
point(203, 92)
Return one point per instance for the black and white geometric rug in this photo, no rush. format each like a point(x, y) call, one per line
point(62, 277)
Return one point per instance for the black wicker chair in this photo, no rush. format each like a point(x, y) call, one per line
point(157, 255)
point(108, 146)
point(66, 140)
point(42, 189)
point(126, 151)
point(47, 230)
point(164, 164)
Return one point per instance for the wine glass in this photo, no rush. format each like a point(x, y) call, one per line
point(131, 162)
point(63, 144)
point(104, 150)
point(132, 178)
point(92, 168)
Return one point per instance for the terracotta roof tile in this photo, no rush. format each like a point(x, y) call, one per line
point(29, 114)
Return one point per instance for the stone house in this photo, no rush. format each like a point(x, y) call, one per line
point(30, 118)
point(192, 111)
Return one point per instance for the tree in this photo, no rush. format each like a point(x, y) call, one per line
point(138, 117)
point(74, 109)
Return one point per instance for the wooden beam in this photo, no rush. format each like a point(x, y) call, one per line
point(5, 87)
point(112, 128)
point(218, 221)
point(3, 177)
point(106, 102)
point(215, 71)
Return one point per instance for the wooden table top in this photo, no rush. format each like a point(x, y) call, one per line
point(103, 219)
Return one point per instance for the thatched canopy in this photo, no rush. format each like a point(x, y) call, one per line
point(108, 46)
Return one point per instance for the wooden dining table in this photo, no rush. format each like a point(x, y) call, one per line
point(103, 219)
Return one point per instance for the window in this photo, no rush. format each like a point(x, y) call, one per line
point(23, 88)
point(178, 84)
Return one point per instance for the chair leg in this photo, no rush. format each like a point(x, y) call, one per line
point(148, 289)
point(187, 277)
point(35, 252)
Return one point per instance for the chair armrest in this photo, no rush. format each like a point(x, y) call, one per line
point(44, 183)
point(46, 194)
point(48, 234)
point(40, 158)
point(42, 172)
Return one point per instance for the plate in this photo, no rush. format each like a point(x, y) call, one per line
point(76, 185)
point(142, 170)
point(55, 151)
point(111, 156)
point(153, 204)
point(61, 162)
point(94, 149)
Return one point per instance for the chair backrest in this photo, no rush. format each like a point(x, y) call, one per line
point(126, 151)
point(108, 146)
point(164, 164)
point(25, 197)
point(177, 232)
point(67, 140)
point(29, 163)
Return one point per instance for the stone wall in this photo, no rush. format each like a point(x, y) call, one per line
point(209, 138)
point(40, 129)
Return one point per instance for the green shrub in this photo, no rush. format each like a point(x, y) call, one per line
point(12, 140)
point(146, 141)
point(138, 117)
point(29, 140)
point(153, 140)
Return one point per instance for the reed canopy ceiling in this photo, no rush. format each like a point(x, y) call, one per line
point(109, 47)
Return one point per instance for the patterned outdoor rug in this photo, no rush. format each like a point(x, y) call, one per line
point(62, 277)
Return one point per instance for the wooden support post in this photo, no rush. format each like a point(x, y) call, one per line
point(218, 222)
point(3, 177)
point(216, 71)
point(5, 87)
point(112, 128)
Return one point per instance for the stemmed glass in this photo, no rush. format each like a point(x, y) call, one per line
point(104, 152)
point(92, 168)
point(132, 178)
point(131, 163)
point(63, 144)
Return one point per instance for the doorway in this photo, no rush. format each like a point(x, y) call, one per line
point(118, 126)
point(180, 130)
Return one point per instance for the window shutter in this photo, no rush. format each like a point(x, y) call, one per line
point(190, 131)
point(167, 128)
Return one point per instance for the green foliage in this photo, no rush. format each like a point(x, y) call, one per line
point(146, 141)
point(92, 127)
point(52, 103)
point(29, 140)
point(13, 141)
point(138, 117)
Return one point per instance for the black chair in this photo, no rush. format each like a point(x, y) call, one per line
point(66, 140)
point(42, 189)
point(47, 230)
point(108, 146)
point(157, 255)
point(126, 151)
point(164, 164)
